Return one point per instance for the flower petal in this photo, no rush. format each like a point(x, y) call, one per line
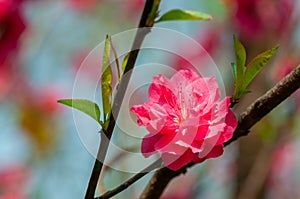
point(215, 152)
point(220, 111)
point(175, 162)
point(163, 141)
point(185, 76)
point(160, 91)
point(142, 112)
point(148, 144)
point(171, 147)
point(232, 123)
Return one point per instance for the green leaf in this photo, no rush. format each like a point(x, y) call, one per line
point(125, 60)
point(184, 15)
point(106, 80)
point(88, 107)
point(116, 58)
point(257, 64)
point(240, 56)
point(233, 66)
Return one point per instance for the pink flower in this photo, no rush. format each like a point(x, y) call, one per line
point(83, 5)
point(12, 26)
point(135, 5)
point(185, 118)
point(262, 18)
point(12, 182)
point(4, 81)
point(284, 66)
point(15, 195)
point(14, 176)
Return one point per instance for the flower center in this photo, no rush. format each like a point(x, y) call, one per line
point(177, 120)
point(182, 102)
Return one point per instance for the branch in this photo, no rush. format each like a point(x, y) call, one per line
point(131, 180)
point(102, 150)
point(160, 180)
point(147, 20)
point(255, 112)
point(266, 103)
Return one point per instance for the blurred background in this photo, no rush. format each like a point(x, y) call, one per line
point(42, 45)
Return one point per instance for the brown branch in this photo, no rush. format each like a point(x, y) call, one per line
point(105, 168)
point(102, 150)
point(255, 112)
point(161, 177)
point(147, 20)
point(131, 180)
point(266, 103)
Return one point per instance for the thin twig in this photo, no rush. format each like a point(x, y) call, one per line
point(106, 167)
point(97, 166)
point(131, 180)
point(147, 20)
point(161, 177)
point(255, 112)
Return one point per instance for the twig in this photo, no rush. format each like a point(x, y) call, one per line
point(255, 112)
point(105, 168)
point(102, 150)
point(147, 20)
point(130, 181)
point(266, 103)
point(161, 177)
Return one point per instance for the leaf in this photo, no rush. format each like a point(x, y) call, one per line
point(257, 64)
point(240, 56)
point(106, 80)
point(233, 66)
point(244, 75)
point(177, 14)
point(88, 107)
point(125, 60)
point(116, 58)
